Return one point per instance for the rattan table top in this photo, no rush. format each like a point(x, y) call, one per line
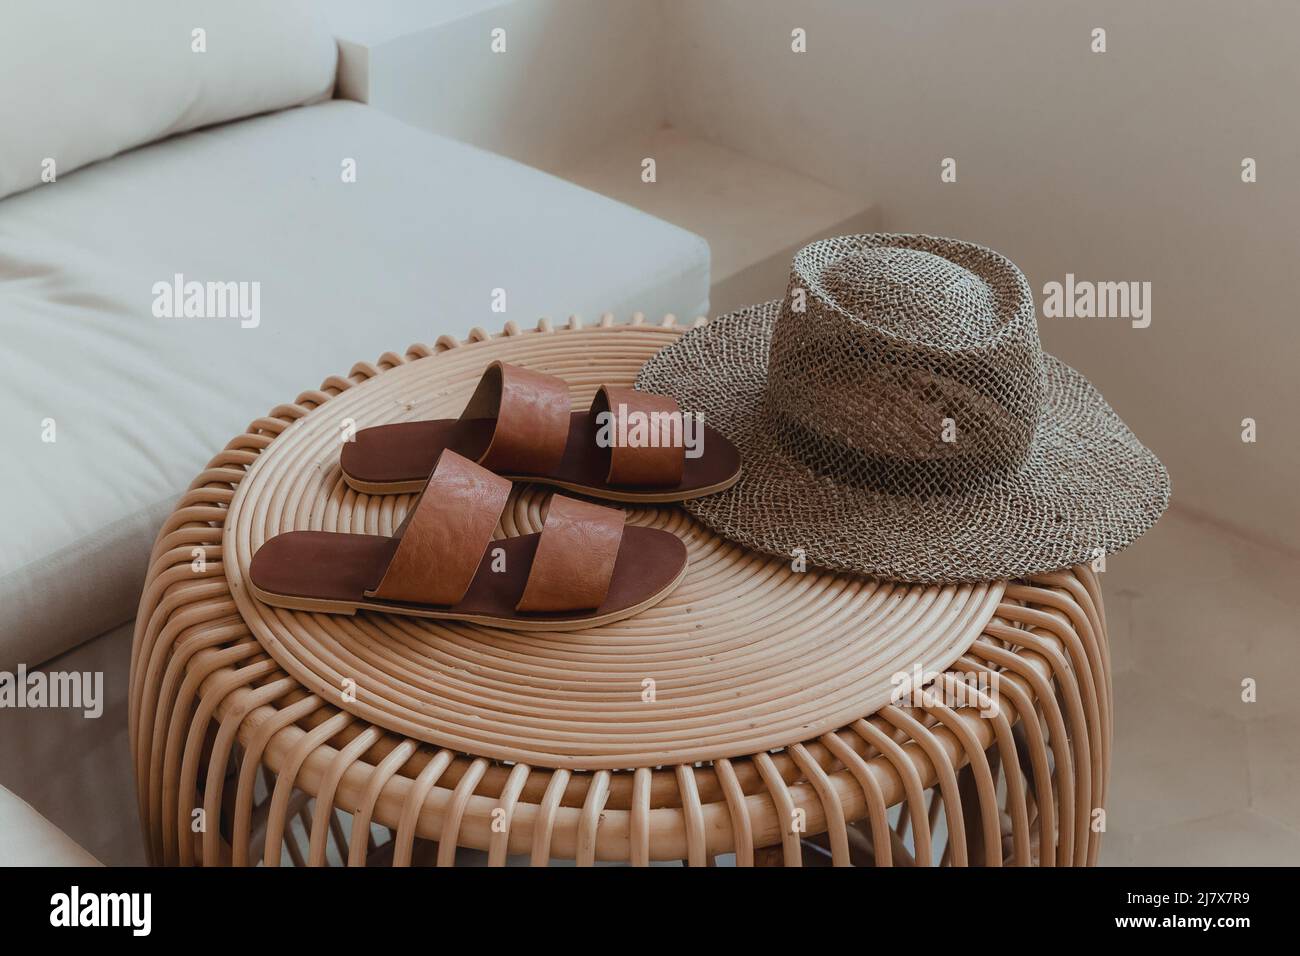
point(747, 655)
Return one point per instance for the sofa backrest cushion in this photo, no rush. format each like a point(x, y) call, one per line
point(85, 79)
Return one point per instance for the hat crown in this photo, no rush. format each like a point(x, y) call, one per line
point(906, 362)
point(911, 294)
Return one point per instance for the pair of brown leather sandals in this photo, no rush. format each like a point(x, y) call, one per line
point(584, 567)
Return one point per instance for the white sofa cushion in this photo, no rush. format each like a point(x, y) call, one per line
point(412, 250)
point(85, 79)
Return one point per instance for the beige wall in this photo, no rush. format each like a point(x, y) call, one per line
point(1116, 166)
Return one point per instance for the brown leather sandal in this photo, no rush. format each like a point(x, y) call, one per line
point(518, 424)
point(584, 567)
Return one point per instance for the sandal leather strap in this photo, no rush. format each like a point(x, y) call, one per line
point(442, 540)
point(644, 438)
point(531, 411)
point(575, 557)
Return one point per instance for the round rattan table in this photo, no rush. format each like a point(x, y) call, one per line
point(756, 714)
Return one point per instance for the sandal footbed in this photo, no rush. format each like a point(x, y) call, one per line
point(405, 452)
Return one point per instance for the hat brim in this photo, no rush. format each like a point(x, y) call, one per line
point(1087, 486)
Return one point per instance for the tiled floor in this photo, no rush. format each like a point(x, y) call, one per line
point(1199, 775)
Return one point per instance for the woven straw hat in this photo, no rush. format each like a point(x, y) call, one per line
point(897, 416)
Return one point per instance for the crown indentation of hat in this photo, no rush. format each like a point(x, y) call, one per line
point(904, 361)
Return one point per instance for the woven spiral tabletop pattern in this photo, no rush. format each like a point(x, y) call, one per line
point(747, 654)
point(281, 736)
